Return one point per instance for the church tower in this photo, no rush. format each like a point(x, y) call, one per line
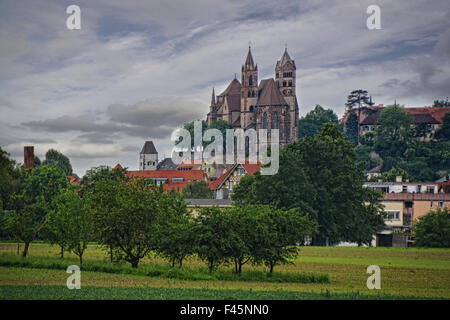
point(249, 90)
point(285, 77)
point(148, 158)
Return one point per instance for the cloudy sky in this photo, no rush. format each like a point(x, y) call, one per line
point(138, 69)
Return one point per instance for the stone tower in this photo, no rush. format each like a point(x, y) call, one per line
point(148, 158)
point(249, 90)
point(285, 77)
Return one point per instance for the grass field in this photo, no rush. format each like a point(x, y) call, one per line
point(405, 274)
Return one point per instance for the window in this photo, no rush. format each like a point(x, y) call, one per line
point(287, 74)
point(274, 121)
point(393, 215)
point(251, 108)
point(440, 204)
point(284, 83)
point(253, 93)
point(290, 83)
point(250, 81)
point(431, 204)
point(248, 94)
point(177, 179)
point(404, 188)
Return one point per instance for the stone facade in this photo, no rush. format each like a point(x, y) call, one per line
point(269, 104)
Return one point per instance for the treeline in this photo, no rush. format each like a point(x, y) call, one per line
point(131, 221)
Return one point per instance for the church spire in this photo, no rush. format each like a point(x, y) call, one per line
point(213, 98)
point(249, 64)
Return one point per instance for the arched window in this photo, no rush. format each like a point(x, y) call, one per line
point(265, 121)
point(250, 81)
point(253, 93)
point(249, 94)
point(275, 121)
point(251, 108)
point(284, 83)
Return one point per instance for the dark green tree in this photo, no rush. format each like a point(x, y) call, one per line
point(443, 134)
point(433, 229)
point(352, 127)
point(56, 158)
point(358, 98)
point(313, 121)
point(441, 103)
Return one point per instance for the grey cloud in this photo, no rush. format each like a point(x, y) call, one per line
point(443, 46)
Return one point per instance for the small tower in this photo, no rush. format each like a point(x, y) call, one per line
point(249, 90)
point(148, 158)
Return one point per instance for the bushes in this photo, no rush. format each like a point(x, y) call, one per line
point(433, 230)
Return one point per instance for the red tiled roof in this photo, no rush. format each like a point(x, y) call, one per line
point(252, 168)
point(215, 184)
point(188, 176)
point(189, 164)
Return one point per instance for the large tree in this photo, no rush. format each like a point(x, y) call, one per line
point(352, 128)
point(30, 207)
point(393, 134)
point(358, 98)
point(56, 158)
point(443, 133)
point(313, 121)
point(321, 178)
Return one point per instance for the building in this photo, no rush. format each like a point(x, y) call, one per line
point(404, 187)
point(166, 164)
point(148, 158)
point(195, 204)
point(224, 185)
point(430, 118)
point(268, 104)
point(170, 179)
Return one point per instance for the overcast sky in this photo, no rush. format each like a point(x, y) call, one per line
point(138, 69)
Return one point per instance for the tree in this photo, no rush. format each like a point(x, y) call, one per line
point(358, 98)
point(125, 215)
point(352, 128)
point(433, 229)
point(69, 223)
point(30, 208)
point(441, 103)
point(221, 125)
point(310, 124)
point(391, 175)
point(276, 240)
point(320, 177)
point(213, 236)
point(393, 134)
point(198, 190)
point(443, 134)
point(56, 158)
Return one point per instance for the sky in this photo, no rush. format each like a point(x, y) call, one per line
point(137, 70)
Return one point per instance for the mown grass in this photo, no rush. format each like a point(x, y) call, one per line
point(107, 293)
point(161, 271)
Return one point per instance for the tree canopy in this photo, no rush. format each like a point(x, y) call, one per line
point(313, 121)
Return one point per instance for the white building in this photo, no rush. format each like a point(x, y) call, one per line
point(148, 158)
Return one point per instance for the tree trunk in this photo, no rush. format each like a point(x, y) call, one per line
point(173, 262)
point(181, 262)
point(211, 266)
point(240, 266)
point(18, 248)
point(235, 265)
point(62, 252)
point(134, 263)
point(25, 250)
point(271, 267)
point(81, 258)
point(111, 253)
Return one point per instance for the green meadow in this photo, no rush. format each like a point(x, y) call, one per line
point(317, 273)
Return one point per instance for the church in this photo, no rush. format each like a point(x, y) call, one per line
point(269, 104)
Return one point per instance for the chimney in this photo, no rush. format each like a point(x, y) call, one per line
point(28, 157)
point(398, 179)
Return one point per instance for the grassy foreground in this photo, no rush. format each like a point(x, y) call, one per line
point(405, 274)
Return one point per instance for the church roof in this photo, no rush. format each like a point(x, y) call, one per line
point(232, 96)
point(233, 88)
point(269, 94)
point(149, 148)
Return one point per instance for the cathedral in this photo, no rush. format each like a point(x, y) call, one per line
point(271, 104)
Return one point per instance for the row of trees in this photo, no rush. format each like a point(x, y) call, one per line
point(130, 221)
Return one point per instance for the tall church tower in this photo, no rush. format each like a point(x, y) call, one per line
point(148, 158)
point(285, 77)
point(249, 90)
